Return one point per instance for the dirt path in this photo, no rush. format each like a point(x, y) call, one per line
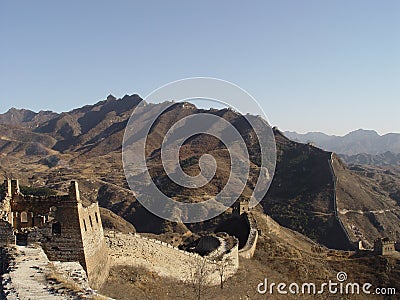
point(362, 212)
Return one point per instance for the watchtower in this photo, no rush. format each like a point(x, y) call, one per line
point(384, 246)
point(66, 229)
point(240, 206)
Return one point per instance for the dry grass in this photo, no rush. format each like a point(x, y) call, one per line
point(282, 256)
point(59, 281)
point(60, 284)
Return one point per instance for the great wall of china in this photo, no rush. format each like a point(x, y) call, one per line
point(334, 198)
point(67, 232)
point(169, 261)
point(65, 228)
point(250, 247)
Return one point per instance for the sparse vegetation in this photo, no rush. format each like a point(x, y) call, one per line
point(199, 281)
point(282, 255)
point(59, 281)
point(300, 198)
point(50, 161)
point(37, 191)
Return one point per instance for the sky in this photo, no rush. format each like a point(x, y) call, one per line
point(330, 66)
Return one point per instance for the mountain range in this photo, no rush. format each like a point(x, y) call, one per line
point(384, 159)
point(353, 143)
point(50, 149)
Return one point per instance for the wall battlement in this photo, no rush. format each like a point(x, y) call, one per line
point(67, 230)
point(384, 246)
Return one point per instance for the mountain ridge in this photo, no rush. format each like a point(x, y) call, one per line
point(355, 142)
point(85, 144)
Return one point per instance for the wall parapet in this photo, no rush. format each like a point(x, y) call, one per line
point(67, 230)
point(165, 259)
point(250, 247)
point(112, 234)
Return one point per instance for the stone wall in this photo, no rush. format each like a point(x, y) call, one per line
point(166, 260)
point(95, 248)
point(66, 229)
point(250, 247)
point(5, 206)
point(30, 211)
point(7, 236)
point(63, 239)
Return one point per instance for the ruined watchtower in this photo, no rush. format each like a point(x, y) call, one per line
point(384, 246)
point(66, 229)
point(240, 206)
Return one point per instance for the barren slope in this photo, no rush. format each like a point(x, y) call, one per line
point(85, 144)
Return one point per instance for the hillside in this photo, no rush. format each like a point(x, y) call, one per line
point(85, 144)
point(368, 202)
point(282, 255)
point(302, 191)
point(25, 117)
point(384, 159)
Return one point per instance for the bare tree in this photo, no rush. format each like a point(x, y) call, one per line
point(200, 278)
point(222, 267)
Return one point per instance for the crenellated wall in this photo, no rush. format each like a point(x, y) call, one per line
point(67, 230)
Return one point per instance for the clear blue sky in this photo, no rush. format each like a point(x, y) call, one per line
point(331, 66)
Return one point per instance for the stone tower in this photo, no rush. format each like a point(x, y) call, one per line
point(66, 229)
point(240, 206)
point(384, 246)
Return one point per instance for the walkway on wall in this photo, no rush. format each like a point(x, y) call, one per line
point(334, 199)
point(363, 212)
point(27, 279)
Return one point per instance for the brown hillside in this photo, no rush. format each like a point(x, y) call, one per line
point(367, 205)
point(302, 191)
point(85, 144)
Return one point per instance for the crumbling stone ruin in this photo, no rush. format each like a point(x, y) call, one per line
point(240, 207)
point(68, 231)
point(65, 228)
point(164, 259)
point(384, 246)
